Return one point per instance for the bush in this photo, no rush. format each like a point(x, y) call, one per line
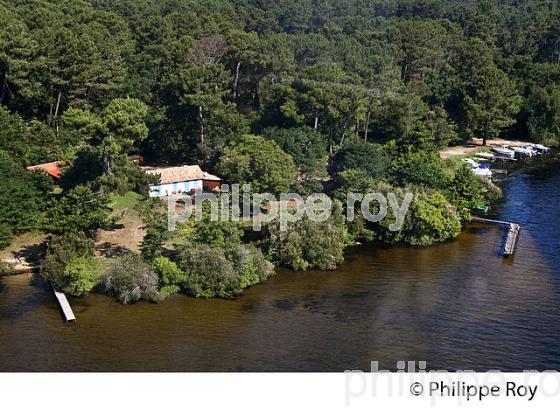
point(309, 245)
point(252, 266)
point(354, 181)
point(6, 235)
point(415, 160)
point(81, 276)
point(424, 168)
point(222, 234)
point(429, 219)
point(170, 276)
point(209, 272)
point(6, 268)
point(66, 263)
point(131, 279)
point(432, 220)
point(466, 190)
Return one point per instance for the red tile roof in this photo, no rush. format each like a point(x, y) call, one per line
point(54, 169)
point(180, 174)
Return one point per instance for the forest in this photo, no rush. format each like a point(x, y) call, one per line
point(331, 96)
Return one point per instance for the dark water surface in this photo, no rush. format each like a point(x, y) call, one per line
point(459, 305)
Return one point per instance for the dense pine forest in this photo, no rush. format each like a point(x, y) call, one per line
point(328, 96)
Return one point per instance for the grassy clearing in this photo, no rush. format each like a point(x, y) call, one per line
point(128, 231)
point(121, 202)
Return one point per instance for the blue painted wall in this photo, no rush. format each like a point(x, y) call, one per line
point(177, 187)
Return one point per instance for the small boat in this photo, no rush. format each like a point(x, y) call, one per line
point(523, 151)
point(533, 149)
point(471, 162)
point(486, 155)
point(504, 152)
point(541, 149)
point(481, 209)
point(482, 172)
point(478, 169)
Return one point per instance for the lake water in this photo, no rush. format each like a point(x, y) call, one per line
point(458, 305)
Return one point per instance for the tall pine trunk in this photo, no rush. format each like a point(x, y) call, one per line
point(236, 81)
point(368, 118)
point(201, 123)
point(57, 105)
point(485, 135)
point(344, 129)
point(105, 167)
point(56, 111)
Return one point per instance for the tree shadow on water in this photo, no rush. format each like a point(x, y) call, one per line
point(38, 297)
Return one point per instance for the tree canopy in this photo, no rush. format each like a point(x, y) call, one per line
point(332, 96)
point(261, 163)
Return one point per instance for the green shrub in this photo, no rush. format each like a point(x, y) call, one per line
point(209, 272)
point(6, 268)
point(170, 276)
point(23, 198)
point(431, 219)
point(81, 276)
point(466, 190)
point(67, 262)
point(252, 266)
point(131, 279)
point(306, 244)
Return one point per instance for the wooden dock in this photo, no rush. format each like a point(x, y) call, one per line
point(512, 236)
point(511, 241)
point(65, 306)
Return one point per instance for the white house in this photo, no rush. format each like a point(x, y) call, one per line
point(182, 179)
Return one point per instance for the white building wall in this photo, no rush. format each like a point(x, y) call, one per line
point(162, 190)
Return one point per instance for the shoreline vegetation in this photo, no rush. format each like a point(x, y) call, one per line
point(114, 265)
point(285, 97)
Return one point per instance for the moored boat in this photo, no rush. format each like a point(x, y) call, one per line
point(486, 155)
point(481, 209)
point(504, 152)
point(542, 149)
point(482, 171)
point(523, 152)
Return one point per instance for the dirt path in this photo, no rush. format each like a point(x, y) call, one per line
point(126, 236)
